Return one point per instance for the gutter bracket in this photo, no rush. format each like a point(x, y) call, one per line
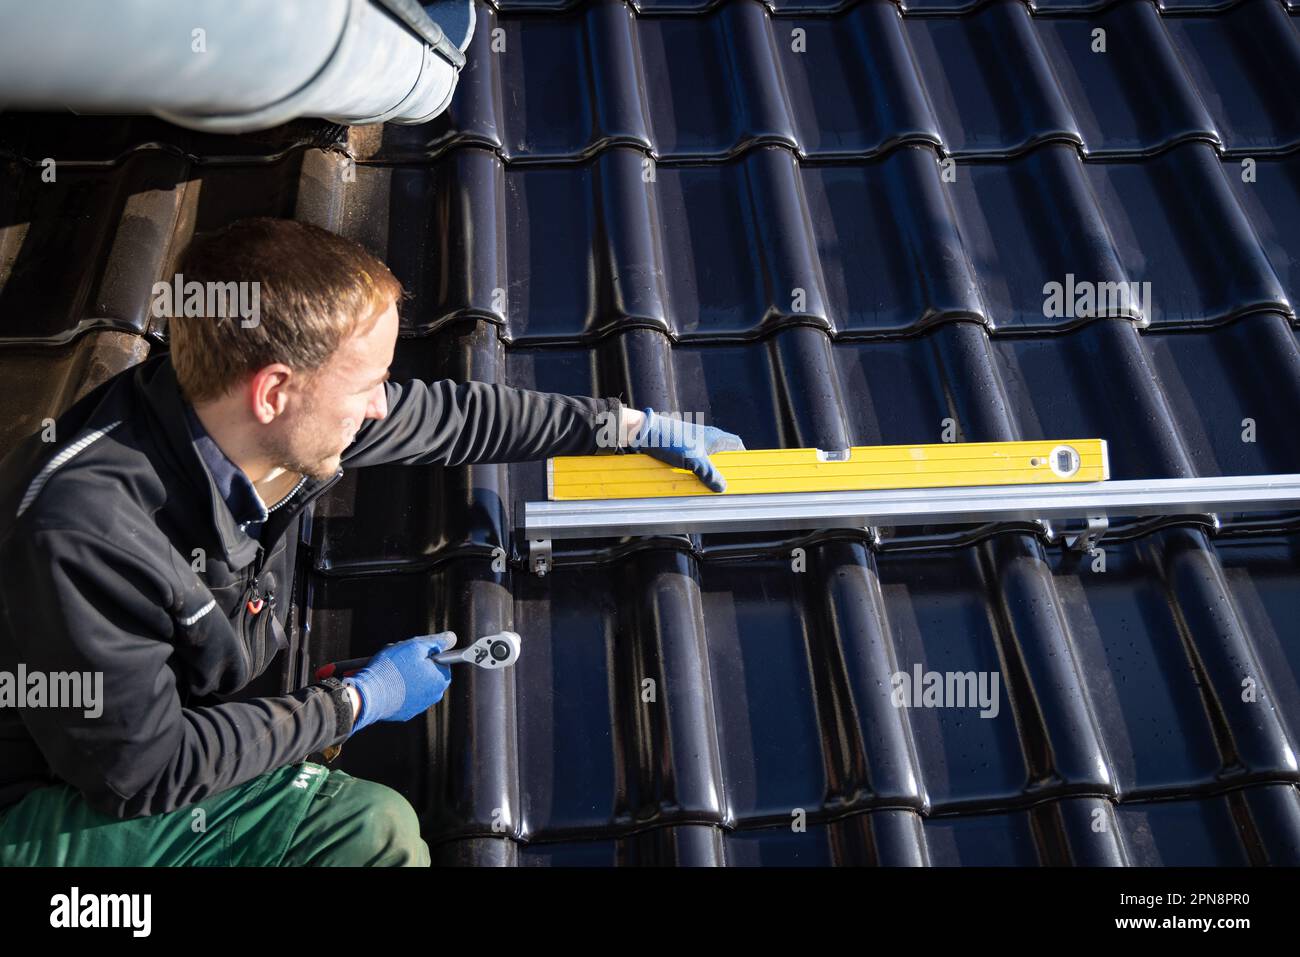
point(1086, 540)
point(539, 556)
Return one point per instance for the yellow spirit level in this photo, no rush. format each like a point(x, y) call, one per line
point(944, 465)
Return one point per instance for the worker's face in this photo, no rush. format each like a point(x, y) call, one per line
point(333, 404)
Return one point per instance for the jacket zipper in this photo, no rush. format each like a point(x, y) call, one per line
point(260, 624)
point(328, 483)
point(260, 628)
point(262, 555)
point(263, 626)
point(292, 493)
point(244, 651)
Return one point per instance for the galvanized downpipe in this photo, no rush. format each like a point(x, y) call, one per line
point(235, 65)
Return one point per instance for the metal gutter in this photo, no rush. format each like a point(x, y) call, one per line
point(234, 65)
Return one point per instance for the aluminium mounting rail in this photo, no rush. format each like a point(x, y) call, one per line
point(1095, 502)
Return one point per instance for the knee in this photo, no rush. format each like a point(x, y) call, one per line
point(388, 834)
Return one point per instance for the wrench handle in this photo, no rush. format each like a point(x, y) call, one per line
point(341, 669)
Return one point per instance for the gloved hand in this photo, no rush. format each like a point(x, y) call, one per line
point(685, 445)
point(401, 681)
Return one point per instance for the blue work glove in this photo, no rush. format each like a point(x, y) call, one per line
point(685, 445)
point(401, 681)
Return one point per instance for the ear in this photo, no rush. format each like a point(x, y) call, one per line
point(268, 394)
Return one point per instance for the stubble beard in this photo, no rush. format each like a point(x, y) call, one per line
point(287, 453)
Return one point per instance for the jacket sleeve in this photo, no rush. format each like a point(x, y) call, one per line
point(76, 603)
point(455, 423)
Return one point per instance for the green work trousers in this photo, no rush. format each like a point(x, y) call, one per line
point(300, 814)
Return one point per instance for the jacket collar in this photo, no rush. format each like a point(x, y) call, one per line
point(156, 381)
point(237, 491)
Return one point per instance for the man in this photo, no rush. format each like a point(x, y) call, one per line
point(148, 551)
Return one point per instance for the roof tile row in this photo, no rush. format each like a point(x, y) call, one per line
point(712, 252)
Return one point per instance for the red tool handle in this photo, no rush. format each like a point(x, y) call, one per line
point(341, 669)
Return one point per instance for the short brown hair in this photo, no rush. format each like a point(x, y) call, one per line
point(314, 289)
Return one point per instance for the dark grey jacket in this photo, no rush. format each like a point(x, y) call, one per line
point(98, 539)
